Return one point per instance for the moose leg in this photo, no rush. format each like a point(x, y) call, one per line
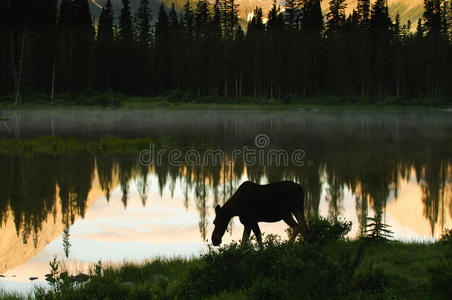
point(294, 225)
point(246, 234)
point(257, 233)
point(302, 222)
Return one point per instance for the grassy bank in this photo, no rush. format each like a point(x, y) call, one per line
point(180, 100)
point(58, 145)
point(323, 266)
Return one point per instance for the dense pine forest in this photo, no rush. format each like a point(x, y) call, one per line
point(294, 50)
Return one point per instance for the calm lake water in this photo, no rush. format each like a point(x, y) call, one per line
point(84, 206)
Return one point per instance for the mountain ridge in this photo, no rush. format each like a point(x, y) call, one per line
point(408, 9)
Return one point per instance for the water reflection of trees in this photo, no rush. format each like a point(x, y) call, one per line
point(30, 185)
point(366, 158)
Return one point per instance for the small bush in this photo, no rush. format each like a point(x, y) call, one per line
point(322, 229)
point(179, 96)
point(446, 237)
point(277, 270)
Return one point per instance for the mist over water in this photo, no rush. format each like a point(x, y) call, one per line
point(106, 205)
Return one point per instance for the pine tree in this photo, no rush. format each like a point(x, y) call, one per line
point(126, 50)
point(362, 44)
point(42, 42)
point(201, 18)
point(275, 20)
point(240, 60)
point(230, 18)
point(172, 18)
point(312, 17)
point(419, 29)
point(188, 26)
point(380, 20)
point(29, 34)
point(6, 56)
point(105, 28)
point(76, 35)
point(432, 17)
point(143, 19)
point(449, 18)
point(292, 14)
point(125, 23)
point(397, 27)
point(381, 35)
point(311, 47)
point(215, 48)
point(398, 60)
point(448, 78)
point(436, 37)
point(275, 51)
point(176, 57)
point(336, 46)
point(363, 10)
point(335, 17)
point(255, 39)
point(201, 41)
point(444, 19)
point(230, 22)
point(104, 47)
point(162, 57)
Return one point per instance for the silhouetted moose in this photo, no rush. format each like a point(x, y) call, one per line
point(254, 203)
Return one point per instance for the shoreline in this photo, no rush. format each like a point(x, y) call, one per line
point(398, 270)
point(123, 102)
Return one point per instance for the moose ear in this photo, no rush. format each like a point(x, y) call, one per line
point(217, 208)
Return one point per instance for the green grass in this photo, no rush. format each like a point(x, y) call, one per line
point(58, 145)
point(324, 266)
point(179, 100)
point(235, 272)
point(10, 296)
point(406, 265)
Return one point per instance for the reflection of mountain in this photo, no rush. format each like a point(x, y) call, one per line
point(408, 213)
point(16, 249)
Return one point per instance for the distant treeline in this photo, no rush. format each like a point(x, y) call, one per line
point(294, 51)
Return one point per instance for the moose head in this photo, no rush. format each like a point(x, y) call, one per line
point(221, 224)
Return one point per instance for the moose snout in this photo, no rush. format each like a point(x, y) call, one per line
point(216, 241)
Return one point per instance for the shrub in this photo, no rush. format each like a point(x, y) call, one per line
point(322, 229)
point(446, 237)
point(277, 270)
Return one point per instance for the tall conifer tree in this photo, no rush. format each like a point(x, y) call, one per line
point(104, 47)
point(143, 19)
point(126, 50)
point(162, 57)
